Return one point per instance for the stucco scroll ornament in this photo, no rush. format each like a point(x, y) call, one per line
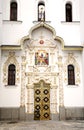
point(71, 59)
point(30, 46)
point(10, 60)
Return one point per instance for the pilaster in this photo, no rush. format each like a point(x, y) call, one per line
point(23, 86)
point(61, 93)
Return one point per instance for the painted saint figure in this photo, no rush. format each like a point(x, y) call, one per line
point(41, 58)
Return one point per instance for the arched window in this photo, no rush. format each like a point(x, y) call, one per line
point(71, 75)
point(13, 11)
point(41, 11)
point(11, 74)
point(68, 9)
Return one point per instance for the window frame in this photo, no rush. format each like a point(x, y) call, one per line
point(13, 11)
point(43, 4)
point(71, 74)
point(68, 12)
point(11, 74)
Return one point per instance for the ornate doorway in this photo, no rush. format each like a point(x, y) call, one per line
point(41, 101)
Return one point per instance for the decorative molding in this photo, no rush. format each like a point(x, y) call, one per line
point(71, 59)
point(61, 93)
point(34, 77)
point(11, 60)
point(23, 81)
point(52, 73)
point(46, 26)
point(10, 47)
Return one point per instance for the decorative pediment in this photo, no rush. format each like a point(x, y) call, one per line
point(41, 35)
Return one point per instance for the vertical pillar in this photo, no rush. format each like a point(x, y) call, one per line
point(23, 85)
point(30, 98)
point(61, 93)
point(53, 101)
point(30, 102)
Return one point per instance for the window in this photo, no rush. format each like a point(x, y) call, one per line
point(11, 74)
point(68, 8)
point(41, 11)
point(71, 75)
point(13, 11)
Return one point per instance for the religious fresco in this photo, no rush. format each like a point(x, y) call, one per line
point(41, 58)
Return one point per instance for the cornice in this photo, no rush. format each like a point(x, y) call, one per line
point(64, 48)
point(10, 47)
point(73, 48)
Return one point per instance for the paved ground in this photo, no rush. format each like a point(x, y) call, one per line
point(43, 125)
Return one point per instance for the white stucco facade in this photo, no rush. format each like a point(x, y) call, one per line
point(62, 41)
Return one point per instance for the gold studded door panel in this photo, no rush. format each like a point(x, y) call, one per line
point(42, 101)
point(37, 102)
